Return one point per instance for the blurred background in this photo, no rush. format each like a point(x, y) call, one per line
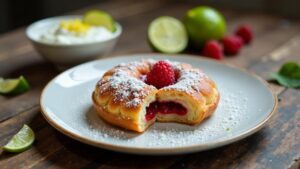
point(16, 13)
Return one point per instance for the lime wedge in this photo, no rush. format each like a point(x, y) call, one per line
point(100, 18)
point(13, 86)
point(168, 35)
point(21, 141)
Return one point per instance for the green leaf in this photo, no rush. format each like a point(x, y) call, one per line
point(290, 69)
point(288, 75)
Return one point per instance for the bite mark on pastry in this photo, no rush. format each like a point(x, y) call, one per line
point(122, 97)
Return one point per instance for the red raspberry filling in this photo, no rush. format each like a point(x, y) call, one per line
point(164, 108)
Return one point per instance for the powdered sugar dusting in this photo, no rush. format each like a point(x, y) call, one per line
point(243, 106)
point(126, 88)
point(189, 78)
point(226, 118)
point(134, 102)
point(231, 113)
point(130, 89)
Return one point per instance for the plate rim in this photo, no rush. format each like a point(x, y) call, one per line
point(161, 150)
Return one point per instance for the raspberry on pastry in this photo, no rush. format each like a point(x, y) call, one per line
point(125, 98)
point(162, 74)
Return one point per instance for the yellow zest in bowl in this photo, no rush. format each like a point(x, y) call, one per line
point(76, 26)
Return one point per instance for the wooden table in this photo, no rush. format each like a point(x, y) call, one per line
point(277, 145)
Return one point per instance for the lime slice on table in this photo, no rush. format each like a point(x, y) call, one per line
point(100, 18)
point(13, 86)
point(167, 34)
point(21, 141)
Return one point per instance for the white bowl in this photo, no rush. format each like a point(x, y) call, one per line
point(65, 55)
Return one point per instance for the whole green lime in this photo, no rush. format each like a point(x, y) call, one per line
point(204, 23)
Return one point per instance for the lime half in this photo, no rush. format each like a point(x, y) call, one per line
point(167, 34)
point(13, 86)
point(100, 18)
point(21, 141)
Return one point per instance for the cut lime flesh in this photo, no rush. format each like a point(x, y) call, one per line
point(100, 18)
point(168, 35)
point(13, 86)
point(21, 141)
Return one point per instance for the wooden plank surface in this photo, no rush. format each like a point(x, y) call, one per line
point(276, 146)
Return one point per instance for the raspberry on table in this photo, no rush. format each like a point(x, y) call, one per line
point(162, 74)
point(245, 32)
point(232, 44)
point(213, 49)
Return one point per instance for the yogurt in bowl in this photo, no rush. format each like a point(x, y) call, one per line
point(74, 31)
point(67, 41)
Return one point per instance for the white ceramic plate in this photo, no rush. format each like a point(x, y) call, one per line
point(245, 106)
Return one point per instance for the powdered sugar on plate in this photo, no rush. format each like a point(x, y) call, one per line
point(245, 105)
point(231, 112)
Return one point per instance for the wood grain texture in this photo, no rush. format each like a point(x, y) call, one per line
point(276, 146)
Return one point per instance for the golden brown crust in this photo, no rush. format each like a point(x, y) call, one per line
point(212, 107)
point(122, 85)
point(116, 119)
point(120, 106)
point(124, 93)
